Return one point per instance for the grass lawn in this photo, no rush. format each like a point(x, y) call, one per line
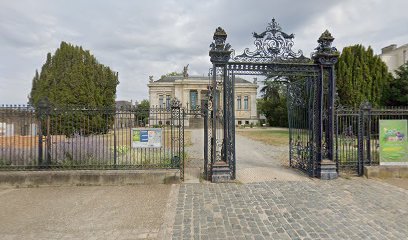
point(271, 136)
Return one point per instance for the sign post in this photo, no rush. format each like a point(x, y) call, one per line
point(393, 142)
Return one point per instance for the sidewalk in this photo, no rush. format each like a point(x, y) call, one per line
point(354, 208)
point(108, 212)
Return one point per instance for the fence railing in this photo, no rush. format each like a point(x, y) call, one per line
point(357, 135)
point(89, 138)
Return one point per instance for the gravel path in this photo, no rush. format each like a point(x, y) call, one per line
point(256, 161)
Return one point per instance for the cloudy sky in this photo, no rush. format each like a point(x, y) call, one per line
point(142, 38)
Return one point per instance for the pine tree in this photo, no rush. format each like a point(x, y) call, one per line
point(361, 76)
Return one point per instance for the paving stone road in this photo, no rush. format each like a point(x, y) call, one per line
point(338, 209)
point(272, 201)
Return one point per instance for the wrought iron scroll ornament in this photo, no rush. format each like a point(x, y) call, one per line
point(326, 54)
point(272, 45)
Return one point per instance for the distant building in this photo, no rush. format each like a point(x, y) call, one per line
point(191, 90)
point(124, 118)
point(394, 56)
point(17, 120)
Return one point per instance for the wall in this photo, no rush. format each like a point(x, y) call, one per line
point(394, 57)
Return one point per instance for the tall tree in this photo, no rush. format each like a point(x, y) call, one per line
point(361, 76)
point(396, 93)
point(73, 77)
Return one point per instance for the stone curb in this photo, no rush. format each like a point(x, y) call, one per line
point(87, 177)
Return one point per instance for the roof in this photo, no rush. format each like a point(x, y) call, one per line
point(197, 78)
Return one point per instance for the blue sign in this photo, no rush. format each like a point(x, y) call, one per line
point(146, 137)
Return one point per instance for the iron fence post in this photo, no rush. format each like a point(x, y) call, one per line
point(205, 113)
point(181, 111)
point(368, 140)
point(115, 154)
point(360, 143)
point(48, 139)
point(43, 112)
point(40, 140)
point(365, 109)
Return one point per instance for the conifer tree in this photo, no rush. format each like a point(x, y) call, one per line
point(361, 76)
point(73, 77)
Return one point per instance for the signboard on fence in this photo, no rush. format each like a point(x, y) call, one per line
point(146, 137)
point(393, 142)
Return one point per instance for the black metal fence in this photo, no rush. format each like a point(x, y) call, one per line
point(357, 135)
point(89, 138)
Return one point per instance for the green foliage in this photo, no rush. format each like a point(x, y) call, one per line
point(361, 76)
point(171, 74)
point(396, 93)
point(142, 113)
point(273, 104)
point(144, 105)
point(121, 149)
point(73, 77)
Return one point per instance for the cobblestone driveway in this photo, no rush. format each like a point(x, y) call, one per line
point(338, 209)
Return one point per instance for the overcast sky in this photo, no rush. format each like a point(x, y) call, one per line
point(143, 38)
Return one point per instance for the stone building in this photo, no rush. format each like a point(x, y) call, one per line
point(394, 56)
point(191, 90)
point(124, 117)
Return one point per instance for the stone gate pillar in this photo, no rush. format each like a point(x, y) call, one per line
point(326, 56)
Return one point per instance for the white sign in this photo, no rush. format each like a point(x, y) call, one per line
point(146, 137)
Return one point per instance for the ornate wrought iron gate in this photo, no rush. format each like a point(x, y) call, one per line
point(309, 124)
point(300, 95)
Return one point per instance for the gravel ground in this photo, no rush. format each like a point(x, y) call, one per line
point(256, 161)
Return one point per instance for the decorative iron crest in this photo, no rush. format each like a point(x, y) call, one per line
point(326, 54)
point(272, 45)
point(220, 52)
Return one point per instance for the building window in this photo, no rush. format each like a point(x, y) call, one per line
point(246, 122)
point(168, 101)
point(193, 99)
point(239, 102)
point(246, 103)
point(160, 101)
point(239, 122)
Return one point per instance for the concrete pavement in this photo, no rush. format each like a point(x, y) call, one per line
point(108, 212)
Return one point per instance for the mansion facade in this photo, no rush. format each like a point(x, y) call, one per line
point(192, 90)
point(394, 56)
